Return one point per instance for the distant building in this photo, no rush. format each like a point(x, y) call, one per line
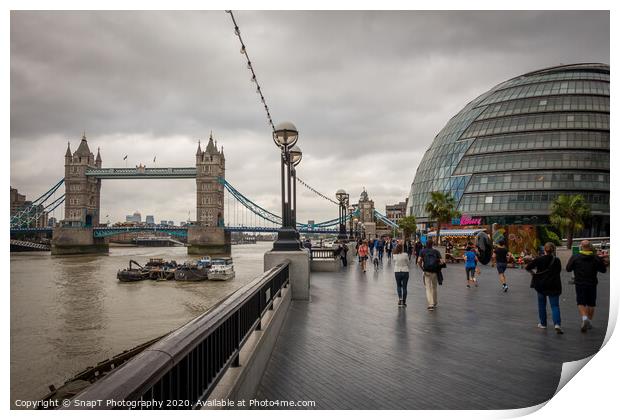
point(31, 216)
point(183, 223)
point(150, 220)
point(51, 222)
point(163, 223)
point(170, 223)
point(395, 212)
point(136, 217)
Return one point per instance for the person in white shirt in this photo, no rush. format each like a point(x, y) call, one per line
point(401, 272)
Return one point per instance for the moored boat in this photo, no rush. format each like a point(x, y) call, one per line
point(191, 271)
point(133, 274)
point(222, 268)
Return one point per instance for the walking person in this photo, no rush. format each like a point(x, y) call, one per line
point(401, 273)
point(379, 245)
point(500, 254)
point(586, 265)
point(417, 249)
point(409, 248)
point(363, 252)
point(388, 248)
point(371, 247)
point(547, 283)
point(430, 261)
point(343, 249)
point(471, 262)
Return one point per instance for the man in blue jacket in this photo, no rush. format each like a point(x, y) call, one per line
point(586, 265)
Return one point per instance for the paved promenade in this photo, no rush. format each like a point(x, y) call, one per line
point(351, 347)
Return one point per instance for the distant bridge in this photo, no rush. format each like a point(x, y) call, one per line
point(181, 231)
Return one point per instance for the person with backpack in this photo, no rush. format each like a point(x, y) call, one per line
point(430, 261)
point(547, 283)
point(586, 265)
point(500, 254)
point(471, 262)
point(401, 273)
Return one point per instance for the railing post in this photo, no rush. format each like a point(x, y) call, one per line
point(235, 362)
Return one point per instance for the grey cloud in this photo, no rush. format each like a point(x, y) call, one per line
point(367, 90)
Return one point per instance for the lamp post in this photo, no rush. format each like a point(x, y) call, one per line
point(285, 136)
point(350, 223)
point(342, 196)
point(356, 225)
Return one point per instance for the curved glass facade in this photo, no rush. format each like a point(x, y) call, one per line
point(513, 149)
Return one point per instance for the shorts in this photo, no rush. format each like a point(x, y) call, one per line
point(470, 272)
point(501, 267)
point(586, 295)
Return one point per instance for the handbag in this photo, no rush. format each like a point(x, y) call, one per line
point(539, 278)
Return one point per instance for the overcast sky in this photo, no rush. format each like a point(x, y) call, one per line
point(368, 92)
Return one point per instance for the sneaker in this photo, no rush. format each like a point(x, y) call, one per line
point(541, 326)
point(505, 286)
point(431, 308)
point(400, 302)
point(558, 329)
point(584, 325)
point(468, 286)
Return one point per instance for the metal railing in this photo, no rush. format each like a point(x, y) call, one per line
point(323, 254)
point(185, 366)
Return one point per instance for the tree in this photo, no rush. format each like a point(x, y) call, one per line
point(408, 225)
point(441, 208)
point(568, 213)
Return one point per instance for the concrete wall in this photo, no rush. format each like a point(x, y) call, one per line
point(299, 270)
point(205, 240)
point(241, 383)
point(330, 265)
point(72, 240)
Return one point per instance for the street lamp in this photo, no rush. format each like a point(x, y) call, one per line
point(285, 136)
point(356, 225)
point(342, 197)
point(296, 155)
point(350, 223)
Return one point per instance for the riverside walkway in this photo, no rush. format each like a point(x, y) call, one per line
point(351, 347)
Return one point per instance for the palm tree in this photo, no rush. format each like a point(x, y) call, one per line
point(408, 225)
point(568, 213)
point(441, 208)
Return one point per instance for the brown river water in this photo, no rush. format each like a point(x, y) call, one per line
point(68, 313)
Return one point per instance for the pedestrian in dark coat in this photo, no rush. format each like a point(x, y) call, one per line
point(548, 284)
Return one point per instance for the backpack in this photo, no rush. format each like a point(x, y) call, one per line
point(431, 261)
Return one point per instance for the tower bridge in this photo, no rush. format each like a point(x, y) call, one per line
point(81, 231)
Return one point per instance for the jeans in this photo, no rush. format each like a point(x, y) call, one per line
point(554, 301)
point(402, 278)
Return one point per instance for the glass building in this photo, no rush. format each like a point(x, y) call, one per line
point(513, 149)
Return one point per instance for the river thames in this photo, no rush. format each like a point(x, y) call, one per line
point(68, 313)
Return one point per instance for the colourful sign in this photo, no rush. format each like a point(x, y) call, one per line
point(466, 220)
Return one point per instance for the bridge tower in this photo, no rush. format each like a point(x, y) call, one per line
point(82, 202)
point(207, 235)
point(82, 193)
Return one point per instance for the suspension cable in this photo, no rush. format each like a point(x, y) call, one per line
point(316, 192)
point(251, 68)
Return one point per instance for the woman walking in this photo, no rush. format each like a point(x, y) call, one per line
point(546, 281)
point(363, 254)
point(401, 272)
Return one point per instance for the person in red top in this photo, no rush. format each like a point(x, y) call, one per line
point(363, 252)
